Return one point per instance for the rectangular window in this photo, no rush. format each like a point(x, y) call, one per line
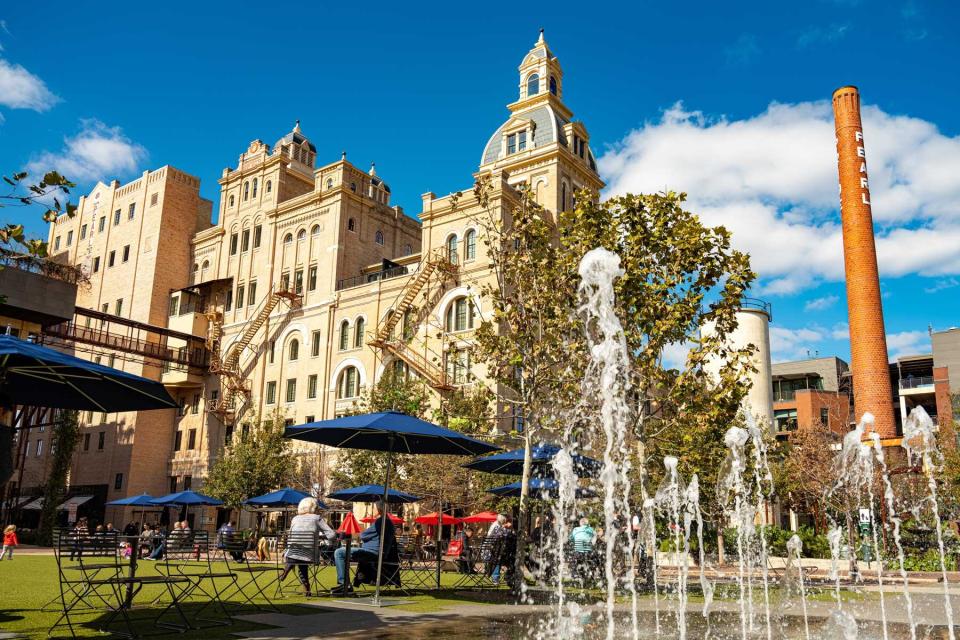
point(101, 440)
point(103, 224)
point(39, 448)
point(174, 305)
point(271, 392)
point(153, 200)
point(69, 238)
point(83, 231)
point(228, 434)
point(112, 360)
point(511, 143)
point(173, 484)
point(825, 417)
point(182, 406)
point(315, 344)
point(245, 240)
point(285, 281)
point(187, 482)
point(228, 303)
point(86, 442)
point(126, 253)
point(312, 278)
point(308, 419)
point(252, 297)
point(118, 482)
point(56, 243)
point(132, 211)
point(312, 387)
point(116, 217)
point(291, 389)
point(273, 344)
point(96, 264)
point(195, 406)
point(233, 244)
point(521, 141)
point(257, 230)
point(240, 290)
point(298, 281)
point(178, 441)
point(119, 306)
point(192, 440)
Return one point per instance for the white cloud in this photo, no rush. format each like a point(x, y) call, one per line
point(20, 89)
point(793, 344)
point(772, 180)
point(821, 304)
point(840, 331)
point(907, 343)
point(940, 285)
point(822, 35)
point(97, 152)
point(674, 355)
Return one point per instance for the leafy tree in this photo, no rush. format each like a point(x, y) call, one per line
point(66, 434)
point(804, 474)
point(254, 464)
point(45, 194)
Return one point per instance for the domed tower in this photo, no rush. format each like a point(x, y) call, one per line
point(540, 143)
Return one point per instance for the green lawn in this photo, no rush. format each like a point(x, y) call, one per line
point(30, 582)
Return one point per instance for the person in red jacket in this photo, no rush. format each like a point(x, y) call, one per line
point(9, 541)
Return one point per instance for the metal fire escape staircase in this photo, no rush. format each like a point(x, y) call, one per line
point(234, 383)
point(385, 340)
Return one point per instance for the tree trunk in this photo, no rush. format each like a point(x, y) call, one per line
point(521, 524)
point(66, 433)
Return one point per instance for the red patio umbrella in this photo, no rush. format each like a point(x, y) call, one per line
point(393, 518)
point(483, 516)
point(431, 519)
point(349, 527)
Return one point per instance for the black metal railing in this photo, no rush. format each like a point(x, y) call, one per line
point(915, 382)
point(367, 278)
point(757, 303)
point(44, 266)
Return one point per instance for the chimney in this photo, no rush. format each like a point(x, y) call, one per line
point(868, 341)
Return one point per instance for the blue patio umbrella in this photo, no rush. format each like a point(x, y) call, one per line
point(392, 432)
point(541, 488)
point(34, 375)
point(371, 493)
point(279, 499)
point(186, 499)
point(142, 500)
point(510, 463)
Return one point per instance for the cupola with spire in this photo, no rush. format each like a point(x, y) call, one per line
point(540, 73)
point(297, 147)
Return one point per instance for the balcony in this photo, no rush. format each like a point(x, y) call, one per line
point(356, 281)
point(917, 382)
point(37, 289)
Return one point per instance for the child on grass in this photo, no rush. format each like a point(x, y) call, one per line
point(9, 541)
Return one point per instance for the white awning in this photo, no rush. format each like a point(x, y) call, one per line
point(22, 500)
point(74, 502)
point(36, 505)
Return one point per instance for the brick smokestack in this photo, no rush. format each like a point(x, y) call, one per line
point(868, 340)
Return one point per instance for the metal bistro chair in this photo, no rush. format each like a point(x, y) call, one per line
point(252, 577)
point(102, 574)
point(74, 576)
point(482, 560)
point(303, 549)
point(417, 570)
point(190, 558)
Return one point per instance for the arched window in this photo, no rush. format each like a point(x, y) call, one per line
point(231, 201)
point(294, 349)
point(400, 370)
point(460, 315)
point(329, 183)
point(246, 191)
point(203, 270)
point(196, 271)
point(344, 335)
point(563, 197)
point(315, 230)
point(533, 85)
point(301, 235)
point(470, 250)
point(287, 239)
point(379, 237)
point(254, 187)
point(351, 225)
point(269, 186)
point(348, 386)
point(353, 187)
point(358, 332)
point(553, 85)
point(452, 249)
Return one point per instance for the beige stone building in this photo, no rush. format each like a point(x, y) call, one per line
point(310, 284)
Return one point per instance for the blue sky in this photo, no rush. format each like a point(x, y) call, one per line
point(727, 101)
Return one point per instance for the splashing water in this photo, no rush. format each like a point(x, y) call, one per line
point(732, 487)
point(794, 550)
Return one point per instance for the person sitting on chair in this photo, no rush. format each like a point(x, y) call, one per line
point(367, 554)
point(306, 521)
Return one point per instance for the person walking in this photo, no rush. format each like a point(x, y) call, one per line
point(10, 541)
